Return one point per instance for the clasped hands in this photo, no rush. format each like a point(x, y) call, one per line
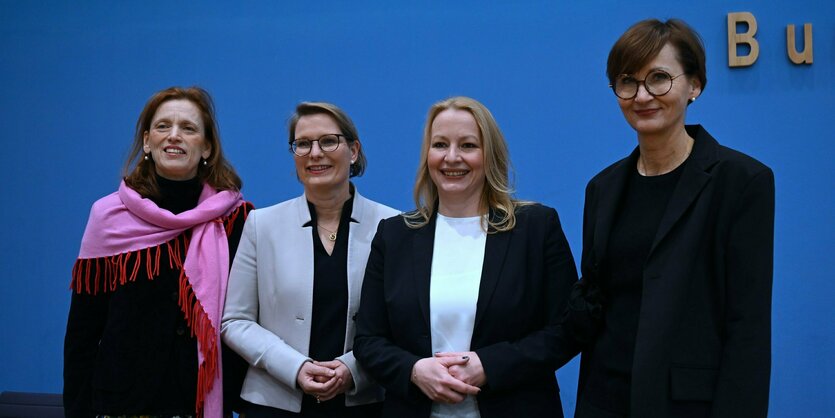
point(449, 377)
point(324, 379)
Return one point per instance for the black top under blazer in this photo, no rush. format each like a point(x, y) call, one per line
point(703, 346)
point(526, 279)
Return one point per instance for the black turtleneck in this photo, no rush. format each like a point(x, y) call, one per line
point(177, 353)
point(177, 196)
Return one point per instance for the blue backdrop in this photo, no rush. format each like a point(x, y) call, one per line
point(75, 75)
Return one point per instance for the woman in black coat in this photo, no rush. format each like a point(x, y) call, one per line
point(678, 240)
point(143, 333)
point(461, 302)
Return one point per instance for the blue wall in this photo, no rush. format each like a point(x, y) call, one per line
point(75, 75)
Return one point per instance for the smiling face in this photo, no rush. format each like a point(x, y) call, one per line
point(176, 140)
point(455, 161)
point(321, 170)
point(659, 115)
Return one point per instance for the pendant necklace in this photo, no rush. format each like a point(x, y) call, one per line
point(331, 235)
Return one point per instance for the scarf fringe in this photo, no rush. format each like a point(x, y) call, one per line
point(108, 273)
point(201, 327)
point(242, 210)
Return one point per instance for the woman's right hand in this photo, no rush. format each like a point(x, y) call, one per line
point(315, 380)
point(432, 376)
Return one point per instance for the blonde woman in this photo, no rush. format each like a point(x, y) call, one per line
point(462, 297)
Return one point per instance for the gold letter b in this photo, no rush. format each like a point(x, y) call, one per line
point(742, 38)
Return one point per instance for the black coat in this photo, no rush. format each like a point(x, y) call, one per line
point(526, 278)
point(703, 346)
point(128, 350)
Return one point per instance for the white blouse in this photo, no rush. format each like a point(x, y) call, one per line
point(457, 259)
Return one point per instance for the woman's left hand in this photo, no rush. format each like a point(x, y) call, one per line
point(344, 380)
point(471, 372)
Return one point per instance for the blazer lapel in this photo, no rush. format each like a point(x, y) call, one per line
point(361, 231)
point(301, 210)
point(495, 250)
point(608, 195)
point(694, 178)
point(422, 248)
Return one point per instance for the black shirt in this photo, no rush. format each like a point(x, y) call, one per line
point(330, 289)
point(330, 302)
point(176, 392)
point(640, 211)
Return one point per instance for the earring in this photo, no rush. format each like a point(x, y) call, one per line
point(147, 157)
point(205, 163)
point(692, 99)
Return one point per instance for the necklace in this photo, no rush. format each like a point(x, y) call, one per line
point(642, 166)
point(332, 235)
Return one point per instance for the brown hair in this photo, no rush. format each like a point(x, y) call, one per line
point(345, 124)
point(644, 40)
point(140, 174)
point(496, 197)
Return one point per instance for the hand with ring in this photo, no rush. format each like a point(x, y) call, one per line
point(316, 380)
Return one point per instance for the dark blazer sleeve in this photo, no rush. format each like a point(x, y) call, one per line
point(745, 367)
point(519, 359)
point(374, 346)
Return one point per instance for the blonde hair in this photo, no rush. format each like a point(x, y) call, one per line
point(496, 196)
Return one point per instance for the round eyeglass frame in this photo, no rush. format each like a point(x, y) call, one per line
point(295, 150)
point(638, 83)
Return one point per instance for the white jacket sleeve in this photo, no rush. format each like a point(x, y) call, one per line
point(240, 328)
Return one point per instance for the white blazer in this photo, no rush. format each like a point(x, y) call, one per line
point(269, 302)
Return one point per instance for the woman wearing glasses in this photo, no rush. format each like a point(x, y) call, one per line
point(678, 238)
point(295, 284)
point(462, 298)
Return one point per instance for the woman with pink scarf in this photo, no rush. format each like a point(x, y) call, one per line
point(148, 288)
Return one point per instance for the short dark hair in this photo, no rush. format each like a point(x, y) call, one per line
point(345, 124)
point(140, 174)
point(644, 40)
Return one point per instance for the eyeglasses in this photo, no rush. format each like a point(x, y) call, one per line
point(657, 83)
point(327, 143)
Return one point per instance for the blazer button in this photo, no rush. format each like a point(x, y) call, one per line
point(174, 296)
point(181, 331)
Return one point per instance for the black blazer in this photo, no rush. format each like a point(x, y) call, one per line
point(703, 346)
point(527, 275)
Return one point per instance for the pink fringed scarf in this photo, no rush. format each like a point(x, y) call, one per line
point(125, 226)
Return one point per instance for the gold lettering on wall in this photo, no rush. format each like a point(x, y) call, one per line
point(804, 57)
point(735, 39)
